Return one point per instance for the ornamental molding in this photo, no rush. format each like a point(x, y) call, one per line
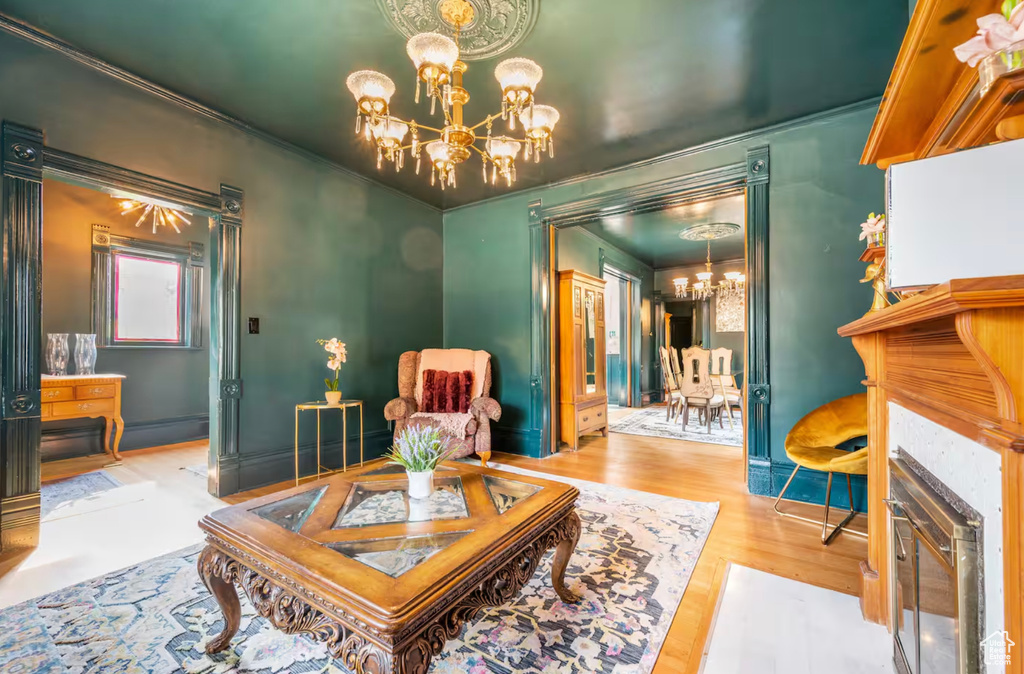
point(497, 26)
point(710, 231)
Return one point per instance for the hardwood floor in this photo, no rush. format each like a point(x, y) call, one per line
point(158, 496)
point(746, 532)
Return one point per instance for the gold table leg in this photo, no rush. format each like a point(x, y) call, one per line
point(360, 434)
point(318, 444)
point(296, 446)
point(344, 438)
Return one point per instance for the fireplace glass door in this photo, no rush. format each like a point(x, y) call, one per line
point(935, 587)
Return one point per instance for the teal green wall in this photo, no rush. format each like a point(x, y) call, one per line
point(581, 249)
point(324, 253)
point(818, 195)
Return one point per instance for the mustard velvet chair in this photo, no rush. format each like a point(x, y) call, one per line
point(812, 444)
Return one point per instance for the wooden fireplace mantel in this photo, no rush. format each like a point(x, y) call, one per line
point(953, 354)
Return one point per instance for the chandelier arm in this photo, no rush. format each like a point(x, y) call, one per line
point(422, 142)
point(421, 127)
point(489, 118)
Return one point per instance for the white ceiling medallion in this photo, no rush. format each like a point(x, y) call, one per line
point(497, 25)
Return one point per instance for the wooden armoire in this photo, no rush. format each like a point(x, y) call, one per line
point(582, 390)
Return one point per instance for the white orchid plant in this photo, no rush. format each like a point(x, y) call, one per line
point(338, 356)
point(873, 229)
point(996, 32)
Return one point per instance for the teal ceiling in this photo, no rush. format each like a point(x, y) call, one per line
point(653, 237)
point(632, 79)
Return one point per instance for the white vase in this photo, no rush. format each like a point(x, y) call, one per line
point(332, 397)
point(421, 484)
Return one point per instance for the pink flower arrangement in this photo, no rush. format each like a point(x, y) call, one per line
point(995, 32)
point(873, 228)
point(339, 355)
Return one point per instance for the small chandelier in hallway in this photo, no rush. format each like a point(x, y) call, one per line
point(734, 282)
point(439, 71)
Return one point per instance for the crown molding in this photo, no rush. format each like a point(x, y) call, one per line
point(32, 34)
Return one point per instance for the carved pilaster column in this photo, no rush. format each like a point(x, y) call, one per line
point(20, 339)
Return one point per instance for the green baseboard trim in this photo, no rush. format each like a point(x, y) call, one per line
point(73, 438)
point(246, 471)
point(522, 441)
point(808, 486)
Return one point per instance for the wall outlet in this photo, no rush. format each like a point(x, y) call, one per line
point(254, 325)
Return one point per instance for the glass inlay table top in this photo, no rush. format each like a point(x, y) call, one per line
point(386, 502)
point(394, 556)
point(292, 512)
point(506, 494)
point(368, 517)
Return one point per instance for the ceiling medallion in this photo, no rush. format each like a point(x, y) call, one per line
point(710, 231)
point(439, 69)
point(494, 27)
point(735, 282)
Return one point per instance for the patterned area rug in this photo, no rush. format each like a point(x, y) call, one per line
point(651, 422)
point(61, 495)
point(632, 564)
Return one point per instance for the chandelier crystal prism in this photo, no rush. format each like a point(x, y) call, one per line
point(439, 73)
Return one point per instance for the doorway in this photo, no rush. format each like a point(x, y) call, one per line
point(24, 170)
point(619, 334)
point(749, 180)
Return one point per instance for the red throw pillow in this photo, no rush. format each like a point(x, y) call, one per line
point(447, 391)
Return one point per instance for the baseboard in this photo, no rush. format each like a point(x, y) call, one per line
point(85, 439)
point(245, 471)
point(522, 441)
point(769, 477)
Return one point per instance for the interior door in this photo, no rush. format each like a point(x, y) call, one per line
point(617, 345)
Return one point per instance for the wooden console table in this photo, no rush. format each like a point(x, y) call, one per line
point(79, 396)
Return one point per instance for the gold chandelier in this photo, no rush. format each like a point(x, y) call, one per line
point(734, 282)
point(440, 71)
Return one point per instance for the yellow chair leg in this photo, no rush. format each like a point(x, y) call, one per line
point(826, 535)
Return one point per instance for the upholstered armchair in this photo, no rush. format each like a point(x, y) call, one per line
point(449, 389)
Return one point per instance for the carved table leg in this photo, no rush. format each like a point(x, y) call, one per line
point(216, 571)
point(563, 552)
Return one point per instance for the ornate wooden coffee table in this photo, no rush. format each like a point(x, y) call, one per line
point(382, 580)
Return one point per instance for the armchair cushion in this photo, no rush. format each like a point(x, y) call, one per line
point(452, 424)
point(447, 392)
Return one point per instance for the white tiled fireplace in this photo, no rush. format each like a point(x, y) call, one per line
point(971, 473)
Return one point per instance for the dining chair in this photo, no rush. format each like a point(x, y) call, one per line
point(697, 387)
point(721, 373)
point(673, 397)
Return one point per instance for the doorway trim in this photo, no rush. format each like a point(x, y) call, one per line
point(24, 162)
point(750, 177)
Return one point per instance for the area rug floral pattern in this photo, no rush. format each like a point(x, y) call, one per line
point(651, 422)
point(632, 564)
point(60, 493)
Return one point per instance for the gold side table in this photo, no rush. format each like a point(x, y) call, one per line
point(319, 406)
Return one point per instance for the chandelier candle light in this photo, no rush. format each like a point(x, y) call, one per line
point(734, 283)
point(439, 72)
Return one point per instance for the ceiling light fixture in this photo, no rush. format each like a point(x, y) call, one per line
point(734, 283)
point(163, 216)
point(439, 69)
